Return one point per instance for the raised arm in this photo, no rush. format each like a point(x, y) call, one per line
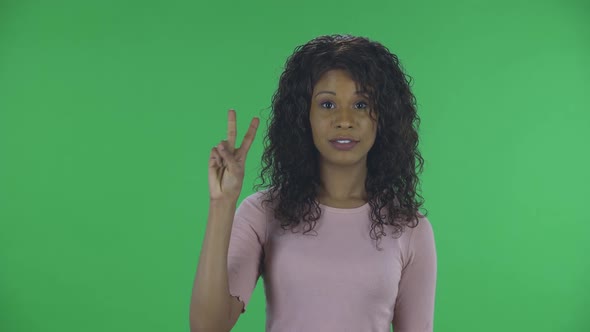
point(212, 308)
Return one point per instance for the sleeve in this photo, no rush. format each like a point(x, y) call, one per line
point(245, 252)
point(414, 306)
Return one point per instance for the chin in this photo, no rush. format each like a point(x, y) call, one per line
point(345, 159)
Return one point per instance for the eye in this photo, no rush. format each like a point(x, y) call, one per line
point(326, 102)
point(362, 102)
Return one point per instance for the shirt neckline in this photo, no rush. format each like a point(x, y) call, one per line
point(361, 208)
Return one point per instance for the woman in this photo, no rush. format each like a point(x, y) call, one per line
point(340, 157)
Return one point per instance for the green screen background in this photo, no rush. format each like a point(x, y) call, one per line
point(108, 112)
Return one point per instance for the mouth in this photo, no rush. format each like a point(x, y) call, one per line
point(343, 139)
point(343, 144)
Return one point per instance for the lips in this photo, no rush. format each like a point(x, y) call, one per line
point(344, 146)
point(343, 138)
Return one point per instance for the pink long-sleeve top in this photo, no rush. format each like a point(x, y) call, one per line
point(333, 279)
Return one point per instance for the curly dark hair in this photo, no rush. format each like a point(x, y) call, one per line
point(290, 157)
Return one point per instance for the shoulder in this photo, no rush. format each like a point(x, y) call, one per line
point(253, 203)
point(424, 227)
point(419, 240)
point(423, 232)
point(252, 215)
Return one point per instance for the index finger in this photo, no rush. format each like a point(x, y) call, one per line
point(231, 129)
point(248, 138)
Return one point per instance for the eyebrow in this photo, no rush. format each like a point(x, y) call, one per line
point(334, 93)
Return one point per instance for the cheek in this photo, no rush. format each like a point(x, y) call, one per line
point(316, 132)
point(372, 133)
point(319, 126)
point(370, 125)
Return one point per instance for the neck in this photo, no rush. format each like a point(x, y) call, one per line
point(342, 183)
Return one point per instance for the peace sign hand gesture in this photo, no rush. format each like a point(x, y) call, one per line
point(227, 164)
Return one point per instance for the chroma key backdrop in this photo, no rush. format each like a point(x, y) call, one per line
point(109, 110)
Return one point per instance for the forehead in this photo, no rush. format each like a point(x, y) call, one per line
point(338, 80)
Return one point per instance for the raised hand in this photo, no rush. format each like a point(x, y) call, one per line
point(227, 164)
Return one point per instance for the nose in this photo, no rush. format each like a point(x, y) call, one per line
point(343, 118)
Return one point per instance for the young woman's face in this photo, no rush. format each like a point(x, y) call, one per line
point(337, 111)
